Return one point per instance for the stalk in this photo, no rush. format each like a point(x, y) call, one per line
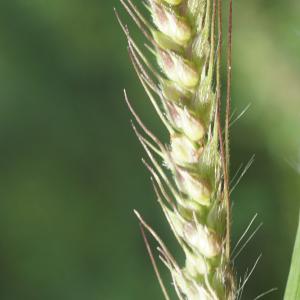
point(190, 174)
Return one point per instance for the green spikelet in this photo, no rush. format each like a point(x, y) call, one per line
point(184, 94)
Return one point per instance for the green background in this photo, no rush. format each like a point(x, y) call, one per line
point(70, 165)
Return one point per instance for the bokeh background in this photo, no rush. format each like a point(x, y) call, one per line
point(70, 169)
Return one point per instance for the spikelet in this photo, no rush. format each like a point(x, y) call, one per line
point(182, 90)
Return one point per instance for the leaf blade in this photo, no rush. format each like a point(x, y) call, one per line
point(293, 284)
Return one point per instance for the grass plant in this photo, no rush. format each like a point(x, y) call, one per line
point(190, 173)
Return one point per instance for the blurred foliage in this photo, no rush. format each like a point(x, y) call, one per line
point(70, 171)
